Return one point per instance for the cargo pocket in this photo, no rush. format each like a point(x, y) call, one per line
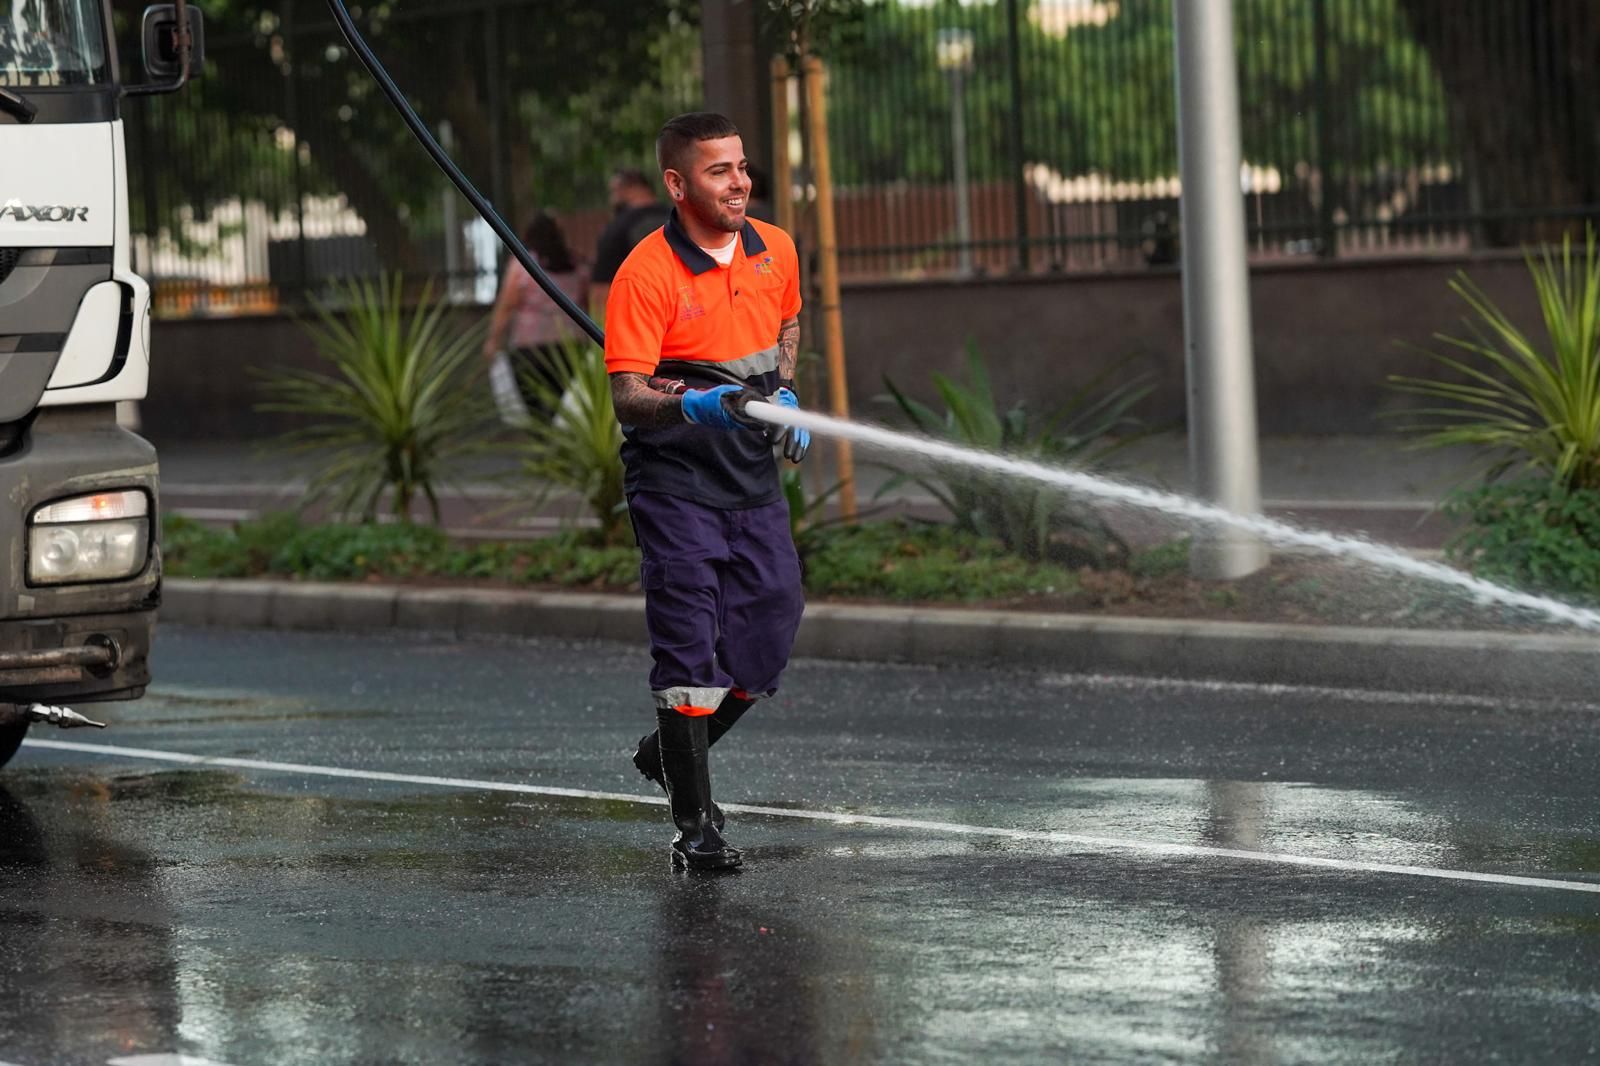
point(652, 575)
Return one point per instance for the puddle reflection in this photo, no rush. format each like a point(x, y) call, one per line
point(736, 986)
point(70, 976)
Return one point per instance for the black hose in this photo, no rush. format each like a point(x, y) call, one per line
point(507, 236)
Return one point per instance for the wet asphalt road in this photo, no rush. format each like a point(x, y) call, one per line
point(254, 917)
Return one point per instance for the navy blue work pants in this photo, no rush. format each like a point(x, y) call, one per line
point(722, 598)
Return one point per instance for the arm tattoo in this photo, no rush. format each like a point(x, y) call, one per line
point(637, 404)
point(788, 348)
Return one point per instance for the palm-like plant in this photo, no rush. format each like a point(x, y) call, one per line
point(1529, 404)
point(398, 410)
point(1085, 432)
point(578, 447)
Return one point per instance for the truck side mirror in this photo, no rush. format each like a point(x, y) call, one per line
point(161, 42)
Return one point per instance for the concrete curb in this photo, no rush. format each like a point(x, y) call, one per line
point(1464, 663)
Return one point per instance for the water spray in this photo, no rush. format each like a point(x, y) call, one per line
point(1063, 479)
point(1077, 482)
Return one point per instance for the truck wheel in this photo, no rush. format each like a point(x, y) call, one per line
point(13, 727)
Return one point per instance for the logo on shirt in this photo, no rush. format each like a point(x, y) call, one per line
point(688, 307)
point(765, 266)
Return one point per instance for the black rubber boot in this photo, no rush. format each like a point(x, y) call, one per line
point(698, 844)
point(647, 759)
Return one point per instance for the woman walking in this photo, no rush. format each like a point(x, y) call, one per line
point(526, 321)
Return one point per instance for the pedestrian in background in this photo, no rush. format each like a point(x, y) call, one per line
point(702, 318)
point(637, 214)
point(527, 324)
point(760, 206)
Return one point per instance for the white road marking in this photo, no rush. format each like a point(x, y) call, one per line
point(154, 1060)
point(1039, 836)
point(1267, 688)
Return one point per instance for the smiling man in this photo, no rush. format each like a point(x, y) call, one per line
point(701, 318)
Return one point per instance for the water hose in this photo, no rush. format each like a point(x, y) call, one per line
point(480, 203)
point(485, 209)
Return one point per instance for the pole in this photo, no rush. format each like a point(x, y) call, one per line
point(782, 172)
point(828, 256)
point(958, 141)
point(1327, 235)
point(494, 64)
point(1014, 132)
point(1216, 287)
point(291, 109)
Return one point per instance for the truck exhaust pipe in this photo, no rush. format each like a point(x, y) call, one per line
point(64, 717)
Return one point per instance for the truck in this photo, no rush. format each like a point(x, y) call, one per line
point(80, 559)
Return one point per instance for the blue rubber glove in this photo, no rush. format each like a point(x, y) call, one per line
point(794, 440)
point(719, 407)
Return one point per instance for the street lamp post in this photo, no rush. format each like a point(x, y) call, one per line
point(1216, 287)
point(955, 51)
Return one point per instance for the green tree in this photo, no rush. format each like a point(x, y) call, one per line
point(285, 107)
point(1523, 83)
point(1100, 98)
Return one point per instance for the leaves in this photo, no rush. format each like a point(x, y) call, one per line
point(1098, 96)
point(400, 408)
point(577, 446)
point(1038, 523)
point(286, 110)
point(1530, 404)
point(1533, 534)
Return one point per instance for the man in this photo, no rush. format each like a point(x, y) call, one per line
point(709, 299)
point(637, 213)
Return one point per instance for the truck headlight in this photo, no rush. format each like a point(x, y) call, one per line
point(89, 538)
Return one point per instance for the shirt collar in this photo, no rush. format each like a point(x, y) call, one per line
point(693, 257)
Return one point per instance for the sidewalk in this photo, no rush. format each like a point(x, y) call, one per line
point(1506, 667)
point(1367, 485)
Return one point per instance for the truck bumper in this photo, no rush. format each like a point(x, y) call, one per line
point(82, 659)
point(80, 642)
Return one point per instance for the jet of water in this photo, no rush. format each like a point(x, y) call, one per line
point(1074, 481)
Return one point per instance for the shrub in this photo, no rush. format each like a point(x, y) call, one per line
point(279, 544)
point(898, 560)
point(808, 517)
point(1534, 533)
point(1037, 523)
point(1533, 406)
point(400, 406)
point(905, 560)
point(190, 549)
point(336, 551)
point(579, 447)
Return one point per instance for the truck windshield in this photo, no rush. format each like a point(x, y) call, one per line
point(50, 43)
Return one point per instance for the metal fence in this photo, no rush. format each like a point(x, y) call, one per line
point(284, 170)
point(1026, 136)
point(969, 136)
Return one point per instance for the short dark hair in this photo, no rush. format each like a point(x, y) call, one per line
point(545, 240)
point(680, 133)
point(633, 176)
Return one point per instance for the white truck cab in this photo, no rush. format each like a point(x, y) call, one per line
point(80, 564)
